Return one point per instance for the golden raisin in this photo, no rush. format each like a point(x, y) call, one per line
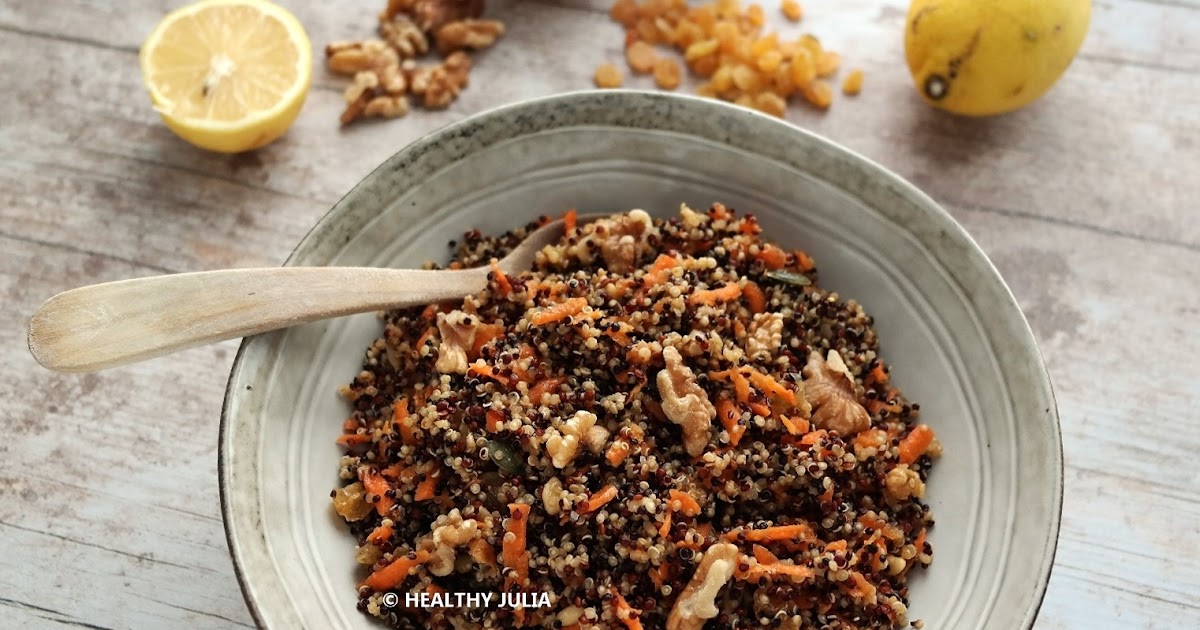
point(756, 15)
point(770, 103)
point(853, 83)
point(803, 68)
point(818, 93)
point(747, 79)
point(608, 76)
point(769, 61)
point(667, 73)
point(646, 30)
point(640, 56)
point(625, 12)
point(701, 49)
point(792, 10)
point(828, 63)
point(722, 79)
point(704, 66)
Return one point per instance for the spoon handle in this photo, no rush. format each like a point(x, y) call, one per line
point(106, 325)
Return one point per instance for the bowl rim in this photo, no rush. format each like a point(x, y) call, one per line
point(615, 97)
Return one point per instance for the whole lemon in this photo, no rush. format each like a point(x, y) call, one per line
point(985, 57)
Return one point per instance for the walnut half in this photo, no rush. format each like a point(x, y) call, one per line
point(697, 602)
point(457, 330)
point(472, 34)
point(829, 388)
point(685, 403)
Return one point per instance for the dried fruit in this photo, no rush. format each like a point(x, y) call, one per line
point(608, 76)
point(641, 57)
point(792, 10)
point(667, 74)
point(852, 85)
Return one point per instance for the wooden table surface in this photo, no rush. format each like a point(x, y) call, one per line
point(1086, 201)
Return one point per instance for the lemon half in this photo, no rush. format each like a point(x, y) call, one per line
point(228, 75)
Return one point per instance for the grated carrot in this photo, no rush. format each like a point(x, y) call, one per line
point(798, 532)
point(688, 505)
point(380, 534)
point(803, 261)
point(919, 542)
point(493, 418)
point(812, 437)
point(755, 298)
point(602, 496)
point(502, 283)
point(664, 530)
point(482, 552)
point(770, 386)
point(625, 613)
point(661, 269)
point(729, 414)
point(427, 488)
point(760, 409)
point(741, 386)
point(484, 334)
point(394, 574)
point(862, 589)
point(485, 370)
point(914, 445)
point(877, 375)
point(378, 486)
point(797, 426)
point(353, 439)
point(764, 556)
point(772, 257)
point(403, 421)
point(545, 387)
point(571, 220)
point(617, 453)
point(425, 337)
point(710, 297)
point(556, 312)
point(514, 552)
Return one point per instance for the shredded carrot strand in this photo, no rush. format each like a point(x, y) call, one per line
point(803, 261)
point(617, 453)
point(380, 534)
point(799, 532)
point(795, 426)
point(755, 298)
point(919, 543)
point(353, 439)
point(484, 334)
point(877, 375)
point(709, 297)
point(514, 552)
point(428, 488)
point(571, 220)
point(772, 257)
point(770, 386)
point(741, 386)
point(764, 556)
point(502, 283)
point(812, 437)
point(545, 387)
point(729, 414)
point(378, 486)
point(664, 530)
point(688, 504)
point(559, 311)
point(425, 336)
point(760, 409)
point(602, 496)
point(485, 370)
point(393, 575)
point(625, 613)
point(791, 572)
point(403, 421)
point(914, 445)
point(493, 418)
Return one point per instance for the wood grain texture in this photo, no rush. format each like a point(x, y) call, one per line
point(1085, 201)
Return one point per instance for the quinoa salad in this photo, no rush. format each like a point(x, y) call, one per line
point(663, 424)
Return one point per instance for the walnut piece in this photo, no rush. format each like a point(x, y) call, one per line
point(902, 483)
point(439, 85)
point(829, 389)
point(379, 82)
point(367, 554)
point(566, 439)
point(697, 602)
point(454, 532)
point(684, 402)
point(431, 15)
point(551, 493)
point(765, 335)
point(624, 239)
point(457, 331)
point(405, 38)
point(472, 34)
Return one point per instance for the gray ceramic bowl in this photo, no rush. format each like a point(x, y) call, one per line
point(948, 324)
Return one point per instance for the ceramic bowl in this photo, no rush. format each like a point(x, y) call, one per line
point(948, 324)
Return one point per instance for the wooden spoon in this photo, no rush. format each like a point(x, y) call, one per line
point(105, 325)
